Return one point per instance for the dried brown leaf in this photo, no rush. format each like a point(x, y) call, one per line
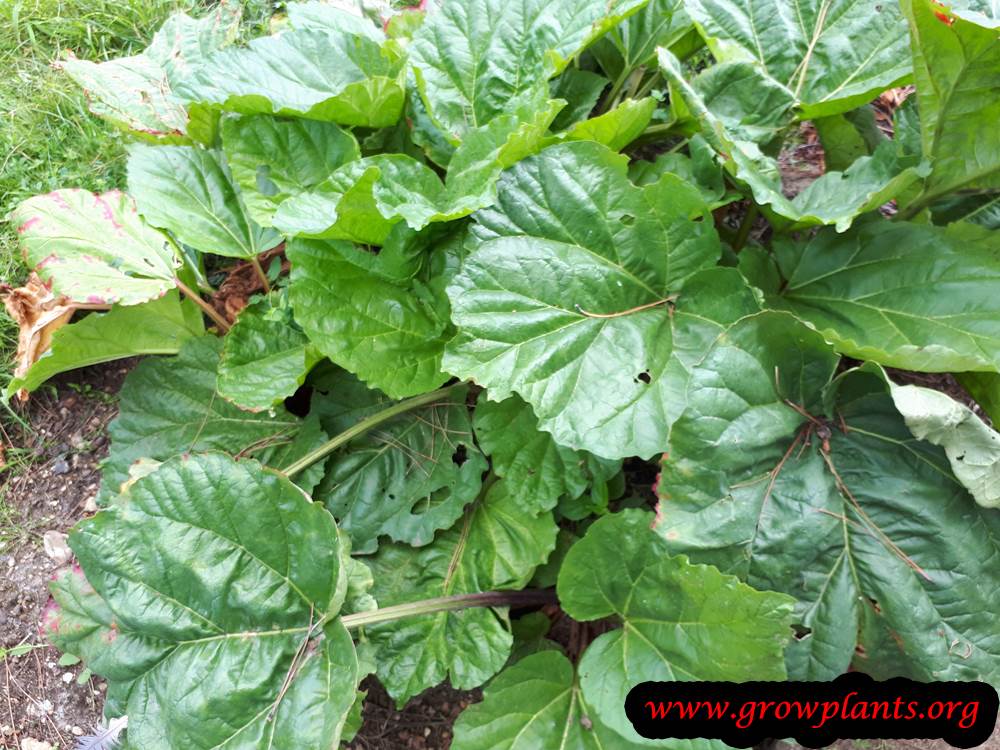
point(39, 314)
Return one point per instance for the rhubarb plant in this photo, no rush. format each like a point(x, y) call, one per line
point(496, 265)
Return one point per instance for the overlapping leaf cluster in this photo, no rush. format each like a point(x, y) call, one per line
point(495, 257)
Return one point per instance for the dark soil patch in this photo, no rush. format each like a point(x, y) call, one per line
point(40, 699)
point(423, 724)
point(802, 162)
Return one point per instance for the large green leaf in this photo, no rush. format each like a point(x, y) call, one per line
point(632, 43)
point(536, 703)
point(832, 501)
point(95, 248)
point(265, 356)
point(136, 92)
point(564, 303)
point(170, 406)
point(678, 621)
point(733, 127)
point(338, 77)
point(344, 206)
point(472, 59)
point(215, 576)
point(406, 479)
point(535, 468)
point(580, 89)
point(832, 55)
point(159, 326)
point(272, 159)
point(365, 199)
point(906, 295)
point(972, 447)
point(327, 16)
point(956, 67)
point(389, 333)
point(496, 546)
point(188, 191)
point(698, 167)
point(617, 128)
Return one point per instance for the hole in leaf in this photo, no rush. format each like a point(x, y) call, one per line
point(875, 606)
point(802, 632)
point(627, 219)
point(298, 402)
point(644, 377)
point(459, 457)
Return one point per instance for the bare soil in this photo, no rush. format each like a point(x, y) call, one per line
point(39, 699)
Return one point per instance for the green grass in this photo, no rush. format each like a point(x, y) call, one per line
point(48, 138)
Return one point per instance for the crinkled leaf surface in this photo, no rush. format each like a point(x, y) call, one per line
point(137, 92)
point(546, 303)
point(273, 159)
point(678, 621)
point(832, 55)
point(170, 406)
point(866, 526)
point(495, 546)
point(365, 199)
point(905, 295)
point(95, 248)
point(188, 191)
point(956, 68)
point(535, 468)
point(265, 357)
point(407, 478)
point(390, 334)
point(835, 198)
point(972, 446)
point(213, 576)
point(698, 167)
point(159, 326)
point(747, 104)
point(472, 58)
point(536, 703)
point(344, 207)
point(338, 77)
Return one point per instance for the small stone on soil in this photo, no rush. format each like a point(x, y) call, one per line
point(54, 543)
